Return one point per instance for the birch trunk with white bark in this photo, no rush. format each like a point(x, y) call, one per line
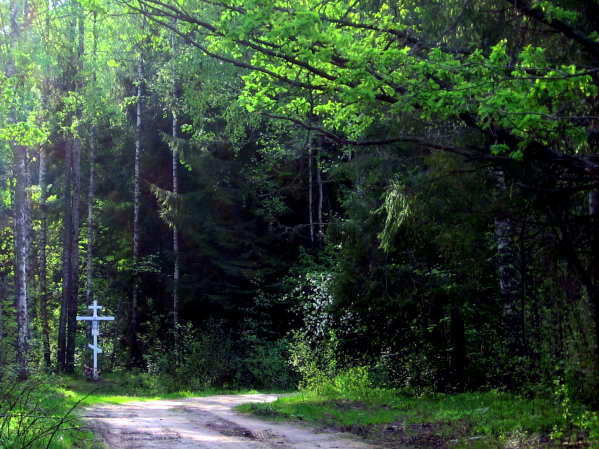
point(133, 321)
point(18, 11)
point(176, 256)
point(320, 195)
point(21, 258)
point(175, 165)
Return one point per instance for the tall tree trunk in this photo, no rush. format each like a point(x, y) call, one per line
point(89, 257)
point(89, 287)
point(18, 11)
point(68, 313)
point(176, 256)
point(175, 165)
point(458, 345)
point(70, 281)
point(310, 193)
point(43, 267)
point(509, 280)
point(29, 247)
point(74, 257)
point(133, 322)
point(67, 272)
point(320, 195)
point(2, 295)
point(43, 244)
point(594, 293)
point(76, 200)
point(21, 269)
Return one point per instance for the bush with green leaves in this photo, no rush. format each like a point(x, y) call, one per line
point(209, 357)
point(316, 361)
point(202, 358)
point(267, 363)
point(573, 416)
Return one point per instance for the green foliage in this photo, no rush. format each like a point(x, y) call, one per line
point(268, 364)
point(34, 415)
point(573, 416)
point(554, 12)
point(402, 291)
point(398, 210)
point(208, 358)
point(314, 360)
point(493, 419)
point(344, 60)
point(354, 382)
point(201, 360)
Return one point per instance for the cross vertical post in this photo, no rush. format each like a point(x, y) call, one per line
point(95, 321)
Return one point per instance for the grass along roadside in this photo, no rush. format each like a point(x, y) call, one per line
point(482, 420)
point(43, 413)
point(120, 389)
point(34, 414)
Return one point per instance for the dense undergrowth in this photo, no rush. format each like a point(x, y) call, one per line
point(487, 420)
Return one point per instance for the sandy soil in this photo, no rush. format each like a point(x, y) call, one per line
point(205, 423)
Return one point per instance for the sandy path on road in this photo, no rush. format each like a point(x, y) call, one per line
point(205, 423)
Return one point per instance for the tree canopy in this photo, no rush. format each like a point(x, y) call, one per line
point(251, 186)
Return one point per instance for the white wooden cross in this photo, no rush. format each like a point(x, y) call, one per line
point(95, 319)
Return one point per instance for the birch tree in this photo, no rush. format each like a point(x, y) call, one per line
point(18, 13)
point(175, 176)
point(133, 310)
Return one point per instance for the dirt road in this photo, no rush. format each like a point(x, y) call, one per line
point(204, 423)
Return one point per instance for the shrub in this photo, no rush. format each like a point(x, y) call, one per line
point(315, 362)
point(268, 364)
point(202, 358)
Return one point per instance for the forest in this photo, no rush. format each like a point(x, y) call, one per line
point(388, 205)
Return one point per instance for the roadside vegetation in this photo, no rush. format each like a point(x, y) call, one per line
point(487, 420)
point(44, 412)
point(38, 414)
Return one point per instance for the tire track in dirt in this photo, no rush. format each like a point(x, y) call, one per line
point(205, 423)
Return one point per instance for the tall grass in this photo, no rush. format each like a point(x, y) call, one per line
point(34, 415)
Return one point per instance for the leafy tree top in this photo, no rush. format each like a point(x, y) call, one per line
point(348, 68)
